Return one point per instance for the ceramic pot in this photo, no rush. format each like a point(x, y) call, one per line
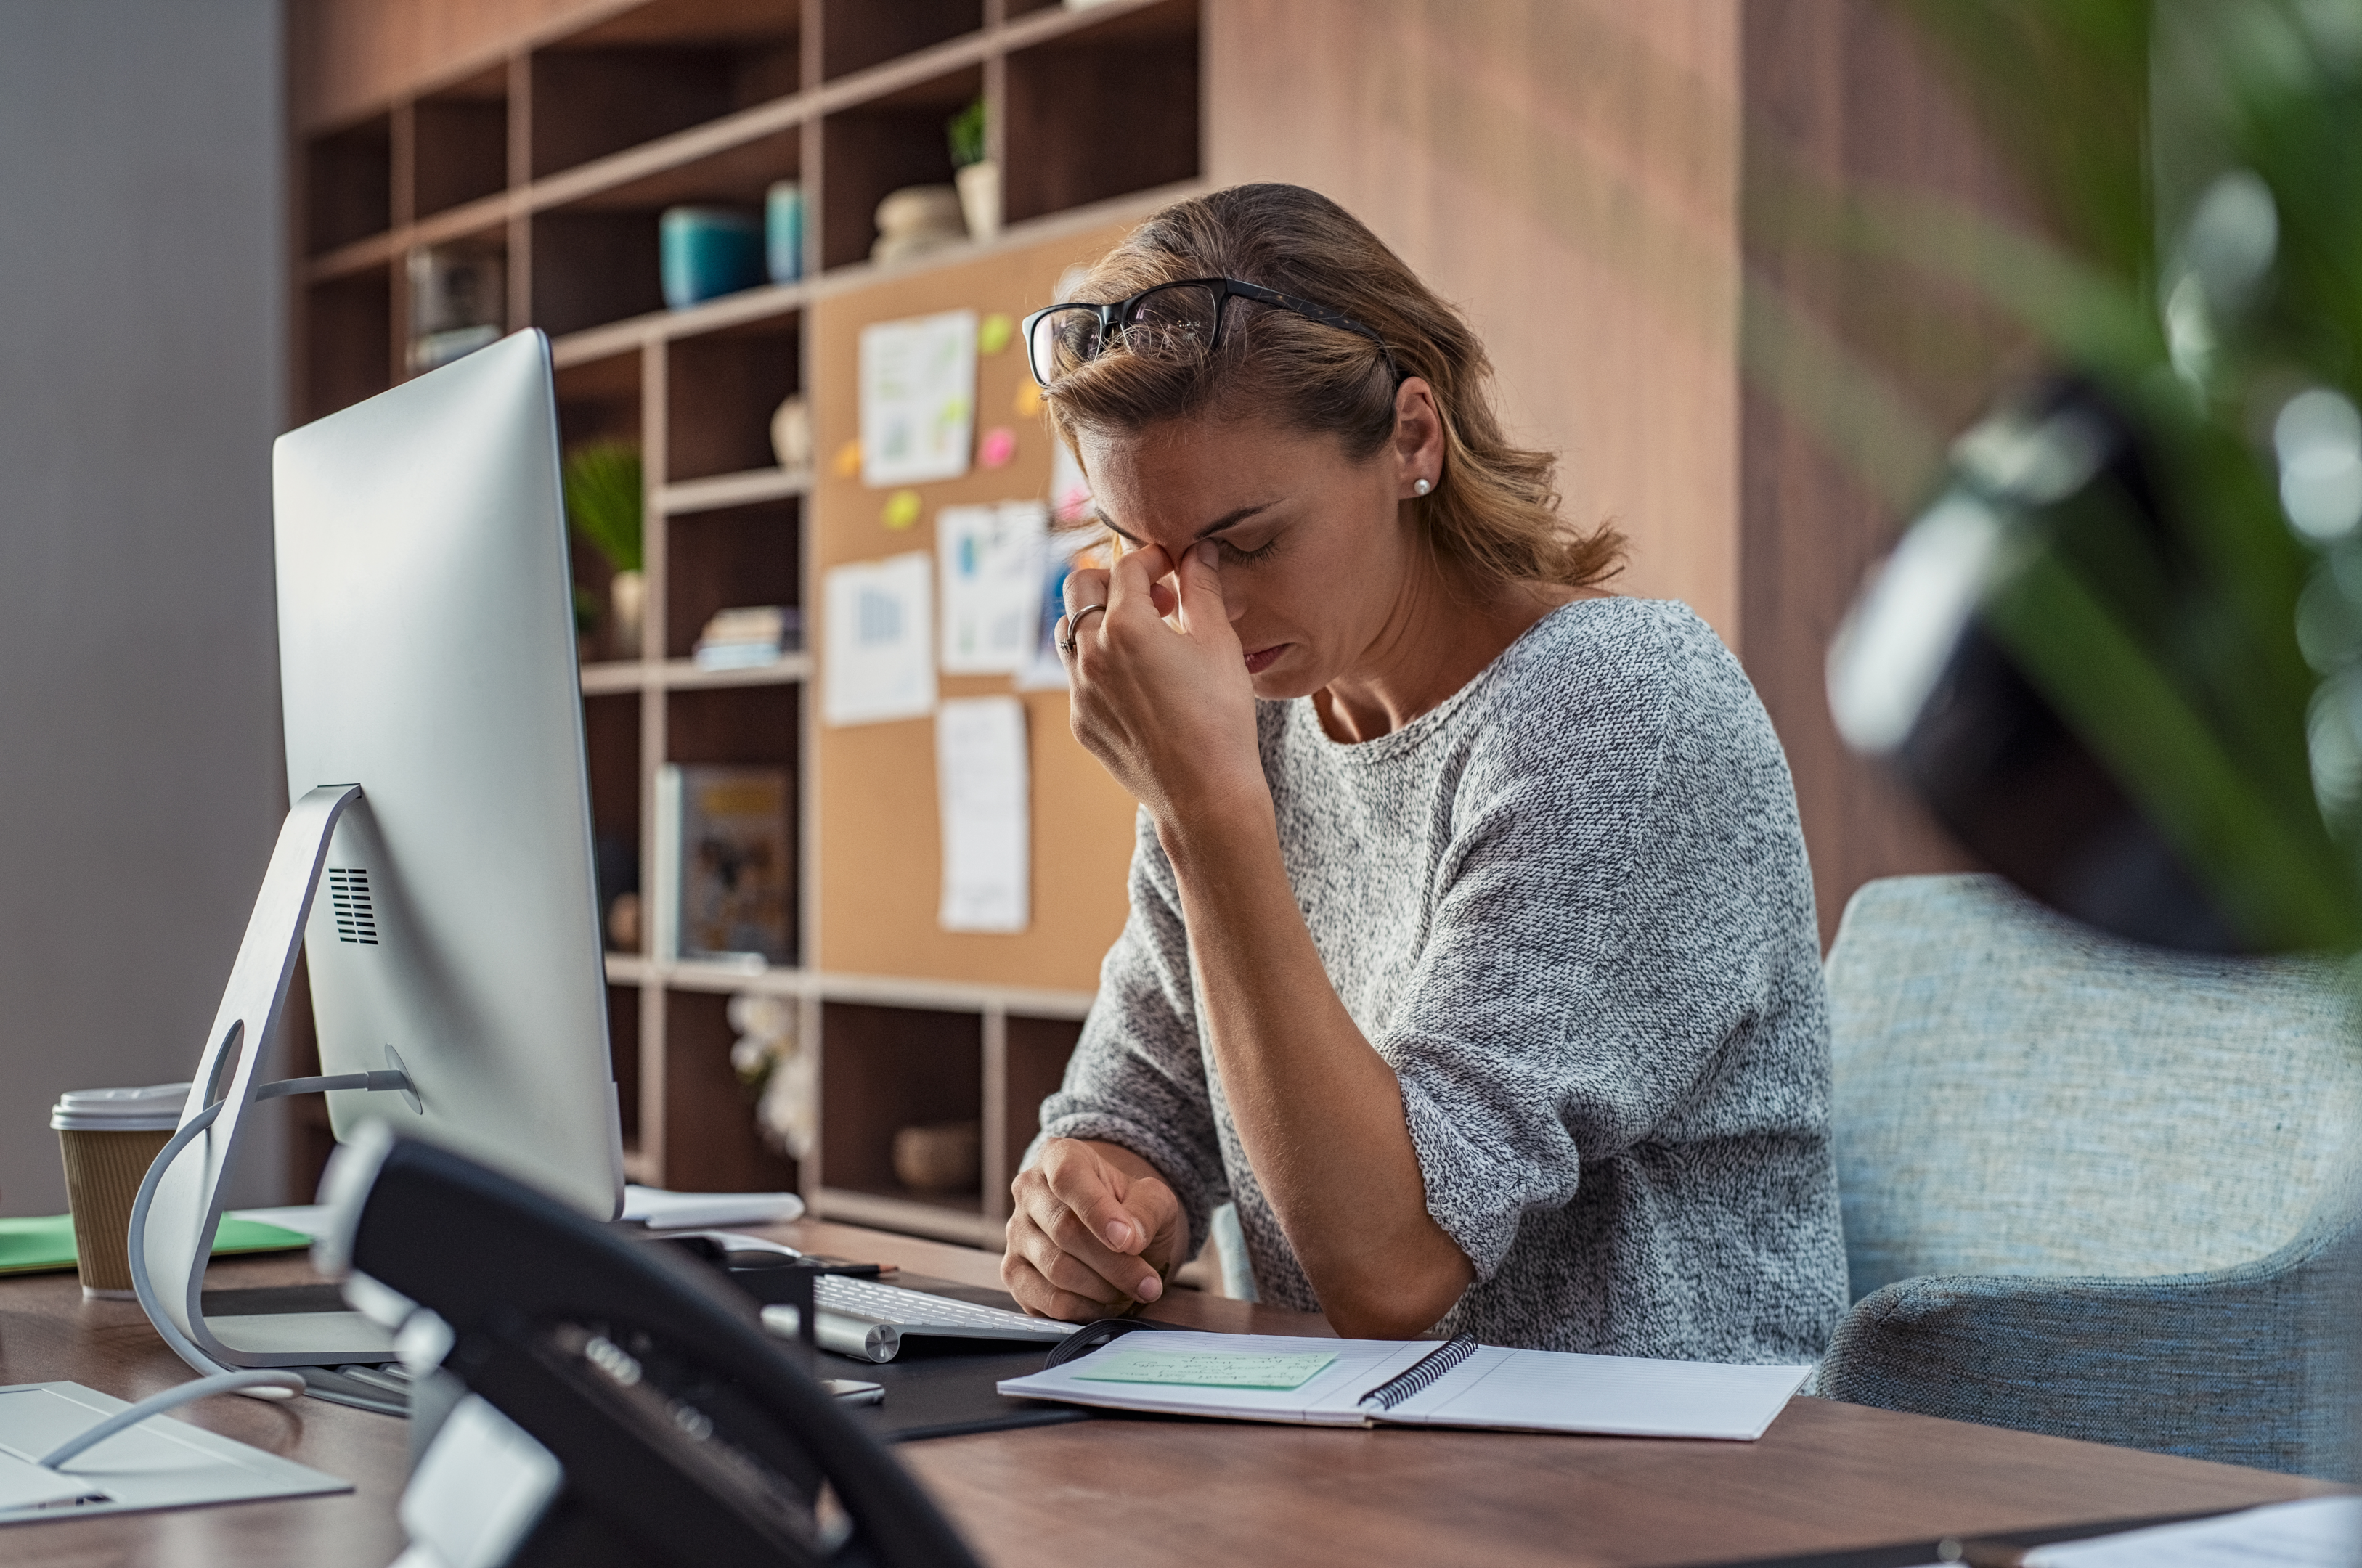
point(917, 219)
point(980, 195)
point(783, 231)
point(706, 252)
point(628, 599)
point(791, 434)
point(946, 1156)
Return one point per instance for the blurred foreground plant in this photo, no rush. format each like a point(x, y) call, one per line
point(2121, 650)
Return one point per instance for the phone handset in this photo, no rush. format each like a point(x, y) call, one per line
point(611, 1402)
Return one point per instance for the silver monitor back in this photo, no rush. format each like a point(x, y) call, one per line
point(426, 653)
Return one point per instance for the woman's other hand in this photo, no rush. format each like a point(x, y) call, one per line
point(1161, 692)
point(1092, 1230)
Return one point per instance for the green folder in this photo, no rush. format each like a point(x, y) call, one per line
point(47, 1241)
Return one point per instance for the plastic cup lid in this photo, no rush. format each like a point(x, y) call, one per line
point(155, 1108)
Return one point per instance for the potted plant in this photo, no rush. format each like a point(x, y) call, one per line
point(975, 172)
point(604, 505)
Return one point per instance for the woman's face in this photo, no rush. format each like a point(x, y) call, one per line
point(1318, 556)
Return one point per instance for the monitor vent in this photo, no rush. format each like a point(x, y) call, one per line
point(348, 891)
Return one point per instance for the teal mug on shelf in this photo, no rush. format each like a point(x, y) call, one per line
point(783, 230)
point(706, 252)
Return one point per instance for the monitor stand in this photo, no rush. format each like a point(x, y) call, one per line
point(180, 1207)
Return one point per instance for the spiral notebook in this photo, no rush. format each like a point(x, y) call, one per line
point(1456, 1383)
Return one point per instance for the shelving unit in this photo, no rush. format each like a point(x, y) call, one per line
point(558, 157)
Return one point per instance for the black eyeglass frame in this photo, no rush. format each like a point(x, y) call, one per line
point(1112, 318)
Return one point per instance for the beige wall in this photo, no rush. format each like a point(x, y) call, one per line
point(141, 387)
point(1567, 170)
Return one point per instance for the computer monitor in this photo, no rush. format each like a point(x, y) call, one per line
point(436, 866)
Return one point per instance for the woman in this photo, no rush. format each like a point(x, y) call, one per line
point(1472, 947)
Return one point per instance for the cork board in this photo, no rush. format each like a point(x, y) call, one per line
point(879, 850)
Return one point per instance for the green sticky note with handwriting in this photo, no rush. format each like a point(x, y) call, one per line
point(1208, 1370)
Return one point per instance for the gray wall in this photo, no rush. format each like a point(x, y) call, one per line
point(141, 370)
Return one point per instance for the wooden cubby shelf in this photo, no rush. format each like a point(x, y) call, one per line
point(656, 69)
point(353, 227)
point(741, 488)
point(560, 156)
point(680, 674)
point(459, 144)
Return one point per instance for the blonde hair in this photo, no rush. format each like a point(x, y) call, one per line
point(1494, 510)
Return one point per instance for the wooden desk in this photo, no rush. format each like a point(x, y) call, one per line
point(1827, 1476)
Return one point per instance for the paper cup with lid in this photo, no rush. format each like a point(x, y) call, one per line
point(108, 1138)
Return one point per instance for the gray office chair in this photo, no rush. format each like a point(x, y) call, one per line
point(2093, 1188)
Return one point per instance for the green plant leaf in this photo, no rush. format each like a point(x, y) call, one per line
point(965, 130)
point(606, 501)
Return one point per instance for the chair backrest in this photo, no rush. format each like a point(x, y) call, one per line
point(2015, 1093)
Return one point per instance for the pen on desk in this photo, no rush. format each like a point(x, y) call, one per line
point(1979, 1553)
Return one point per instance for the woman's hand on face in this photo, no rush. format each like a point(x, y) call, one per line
point(1160, 694)
point(1092, 1229)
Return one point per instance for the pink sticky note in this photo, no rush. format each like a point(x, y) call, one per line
point(999, 445)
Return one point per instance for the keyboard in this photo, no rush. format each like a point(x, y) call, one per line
point(867, 1320)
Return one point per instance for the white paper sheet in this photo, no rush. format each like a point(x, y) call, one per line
point(918, 398)
point(1043, 670)
point(24, 1485)
point(2319, 1532)
point(1625, 1396)
point(988, 560)
point(982, 786)
point(162, 1463)
point(1328, 1398)
point(878, 662)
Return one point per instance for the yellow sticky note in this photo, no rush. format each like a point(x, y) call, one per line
point(993, 333)
point(847, 461)
point(1028, 401)
point(902, 510)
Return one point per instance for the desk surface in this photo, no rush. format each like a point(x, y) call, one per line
point(1827, 1476)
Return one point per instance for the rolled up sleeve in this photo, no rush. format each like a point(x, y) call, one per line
point(1583, 975)
point(1137, 1078)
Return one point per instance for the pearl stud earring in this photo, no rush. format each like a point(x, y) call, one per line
point(1422, 487)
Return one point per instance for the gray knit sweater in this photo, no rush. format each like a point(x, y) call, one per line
point(1570, 909)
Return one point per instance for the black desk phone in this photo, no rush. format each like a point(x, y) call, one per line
point(670, 1429)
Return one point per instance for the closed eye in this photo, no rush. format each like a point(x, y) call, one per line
point(1246, 558)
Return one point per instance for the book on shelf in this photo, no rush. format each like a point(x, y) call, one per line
point(725, 867)
point(458, 297)
point(748, 637)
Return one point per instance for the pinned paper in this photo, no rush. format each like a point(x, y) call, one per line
point(998, 446)
point(878, 659)
point(983, 789)
point(1062, 553)
point(990, 559)
point(993, 334)
point(902, 510)
point(918, 398)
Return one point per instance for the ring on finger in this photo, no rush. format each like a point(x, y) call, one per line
point(1075, 626)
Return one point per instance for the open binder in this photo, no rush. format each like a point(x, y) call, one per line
point(1457, 1383)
